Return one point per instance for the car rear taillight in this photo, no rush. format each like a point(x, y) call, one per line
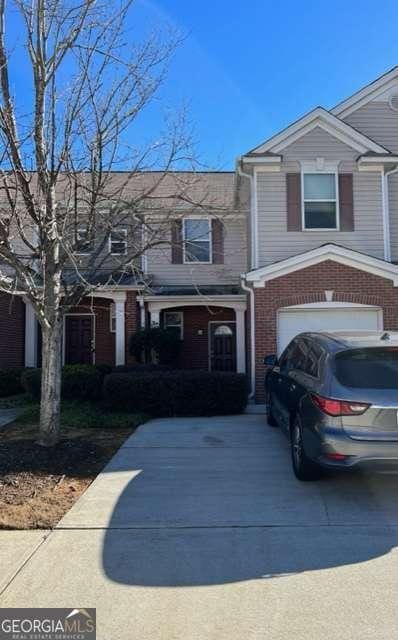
point(339, 407)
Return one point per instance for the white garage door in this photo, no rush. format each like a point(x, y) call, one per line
point(294, 320)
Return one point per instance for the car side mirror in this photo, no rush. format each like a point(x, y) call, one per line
point(271, 360)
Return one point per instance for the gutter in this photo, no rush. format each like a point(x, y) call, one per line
point(252, 338)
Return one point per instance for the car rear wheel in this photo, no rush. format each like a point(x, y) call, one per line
point(304, 468)
point(270, 416)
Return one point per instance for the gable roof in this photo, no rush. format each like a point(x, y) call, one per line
point(329, 251)
point(319, 117)
point(367, 93)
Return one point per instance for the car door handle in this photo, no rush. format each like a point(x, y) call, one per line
point(292, 386)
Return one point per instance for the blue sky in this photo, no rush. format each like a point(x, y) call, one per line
point(247, 69)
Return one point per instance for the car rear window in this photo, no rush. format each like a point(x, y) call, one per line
point(375, 368)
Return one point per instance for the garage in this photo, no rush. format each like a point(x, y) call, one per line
point(327, 316)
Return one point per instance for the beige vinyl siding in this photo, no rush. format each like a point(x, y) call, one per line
point(163, 271)
point(318, 143)
point(377, 121)
point(393, 193)
point(276, 243)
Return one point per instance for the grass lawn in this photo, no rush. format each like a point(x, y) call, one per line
point(39, 485)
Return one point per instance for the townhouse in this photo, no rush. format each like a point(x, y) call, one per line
point(308, 241)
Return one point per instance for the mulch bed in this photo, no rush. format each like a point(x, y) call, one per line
point(39, 485)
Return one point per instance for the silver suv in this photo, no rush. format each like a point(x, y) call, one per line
point(336, 397)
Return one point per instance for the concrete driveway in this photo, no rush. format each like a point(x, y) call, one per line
point(197, 529)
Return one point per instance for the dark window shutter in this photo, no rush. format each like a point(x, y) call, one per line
point(293, 201)
point(176, 242)
point(346, 201)
point(217, 238)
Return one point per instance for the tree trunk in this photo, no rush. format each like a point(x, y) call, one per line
point(50, 403)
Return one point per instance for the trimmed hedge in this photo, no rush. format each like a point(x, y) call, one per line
point(10, 381)
point(31, 382)
point(79, 381)
point(177, 393)
point(140, 368)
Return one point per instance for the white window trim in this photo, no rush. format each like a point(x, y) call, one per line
point(210, 261)
point(124, 232)
point(83, 253)
point(112, 316)
point(180, 326)
point(304, 200)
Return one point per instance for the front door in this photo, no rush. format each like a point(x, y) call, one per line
point(78, 339)
point(222, 346)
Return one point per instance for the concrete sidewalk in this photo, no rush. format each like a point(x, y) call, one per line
point(198, 529)
point(9, 415)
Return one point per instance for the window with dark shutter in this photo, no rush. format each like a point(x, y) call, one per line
point(346, 202)
point(217, 235)
point(176, 242)
point(293, 198)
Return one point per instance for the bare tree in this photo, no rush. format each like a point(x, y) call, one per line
point(60, 144)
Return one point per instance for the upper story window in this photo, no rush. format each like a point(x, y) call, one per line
point(118, 242)
point(197, 240)
point(84, 243)
point(320, 198)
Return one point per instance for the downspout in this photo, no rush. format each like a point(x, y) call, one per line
point(386, 213)
point(249, 290)
point(252, 338)
point(253, 215)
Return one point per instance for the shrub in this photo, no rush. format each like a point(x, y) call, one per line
point(31, 382)
point(10, 381)
point(140, 368)
point(177, 393)
point(79, 381)
point(104, 369)
point(164, 343)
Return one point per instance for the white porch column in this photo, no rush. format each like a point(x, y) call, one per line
point(142, 312)
point(120, 336)
point(240, 340)
point(155, 318)
point(30, 335)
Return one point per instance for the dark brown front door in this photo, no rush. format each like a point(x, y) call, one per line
point(78, 340)
point(222, 346)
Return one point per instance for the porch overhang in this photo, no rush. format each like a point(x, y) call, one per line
point(160, 302)
point(348, 257)
point(155, 304)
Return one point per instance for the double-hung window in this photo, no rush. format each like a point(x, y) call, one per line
point(174, 320)
point(118, 242)
point(197, 240)
point(320, 201)
point(84, 242)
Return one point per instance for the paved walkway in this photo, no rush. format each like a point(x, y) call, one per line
point(197, 529)
point(9, 415)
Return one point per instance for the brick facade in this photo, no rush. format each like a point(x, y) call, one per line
point(195, 348)
point(12, 335)
point(309, 285)
point(104, 337)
